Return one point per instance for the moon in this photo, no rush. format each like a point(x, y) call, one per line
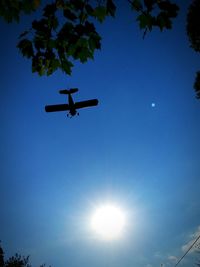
point(108, 222)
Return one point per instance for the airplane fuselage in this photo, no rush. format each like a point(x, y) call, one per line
point(72, 109)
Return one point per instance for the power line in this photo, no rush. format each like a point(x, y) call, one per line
point(195, 241)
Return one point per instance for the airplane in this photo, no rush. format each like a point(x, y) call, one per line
point(71, 106)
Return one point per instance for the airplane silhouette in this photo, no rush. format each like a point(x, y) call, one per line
point(71, 106)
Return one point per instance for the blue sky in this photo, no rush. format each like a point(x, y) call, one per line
point(54, 170)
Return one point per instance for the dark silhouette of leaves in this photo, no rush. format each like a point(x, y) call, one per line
point(147, 17)
point(49, 10)
point(75, 39)
point(23, 34)
point(197, 84)
point(193, 32)
point(111, 8)
point(69, 14)
point(1, 257)
point(145, 21)
point(11, 10)
point(149, 4)
point(26, 48)
point(193, 25)
point(100, 13)
point(52, 46)
point(136, 5)
point(15, 261)
point(66, 31)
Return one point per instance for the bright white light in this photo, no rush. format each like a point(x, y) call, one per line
point(153, 105)
point(108, 222)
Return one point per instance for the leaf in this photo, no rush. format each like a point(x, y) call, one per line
point(166, 20)
point(27, 6)
point(49, 10)
point(136, 5)
point(37, 64)
point(40, 25)
point(89, 9)
point(78, 4)
point(161, 21)
point(111, 8)
point(92, 44)
point(23, 34)
point(193, 28)
point(53, 65)
point(26, 48)
point(84, 54)
point(66, 66)
point(65, 31)
point(100, 13)
point(81, 50)
point(51, 44)
point(69, 14)
point(39, 43)
point(10, 11)
point(170, 8)
point(94, 41)
point(145, 20)
point(80, 29)
point(149, 4)
point(89, 28)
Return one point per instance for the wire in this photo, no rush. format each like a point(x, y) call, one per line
point(195, 241)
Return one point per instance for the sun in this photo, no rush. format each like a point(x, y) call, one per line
point(108, 222)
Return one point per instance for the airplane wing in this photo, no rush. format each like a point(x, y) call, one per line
point(60, 107)
point(87, 103)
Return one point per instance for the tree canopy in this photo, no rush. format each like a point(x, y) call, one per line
point(15, 261)
point(66, 31)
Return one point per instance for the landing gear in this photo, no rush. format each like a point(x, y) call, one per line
point(69, 116)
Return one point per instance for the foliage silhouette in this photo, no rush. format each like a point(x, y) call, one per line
point(164, 10)
point(1, 257)
point(66, 31)
point(15, 261)
point(57, 45)
point(193, 32)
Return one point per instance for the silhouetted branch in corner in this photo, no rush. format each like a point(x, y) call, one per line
point(15, 261)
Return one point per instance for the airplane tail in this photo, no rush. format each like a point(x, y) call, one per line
point(70, 91)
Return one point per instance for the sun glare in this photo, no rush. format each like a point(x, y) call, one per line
point(108, 222)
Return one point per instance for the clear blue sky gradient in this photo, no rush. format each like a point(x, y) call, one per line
point(55, 170)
